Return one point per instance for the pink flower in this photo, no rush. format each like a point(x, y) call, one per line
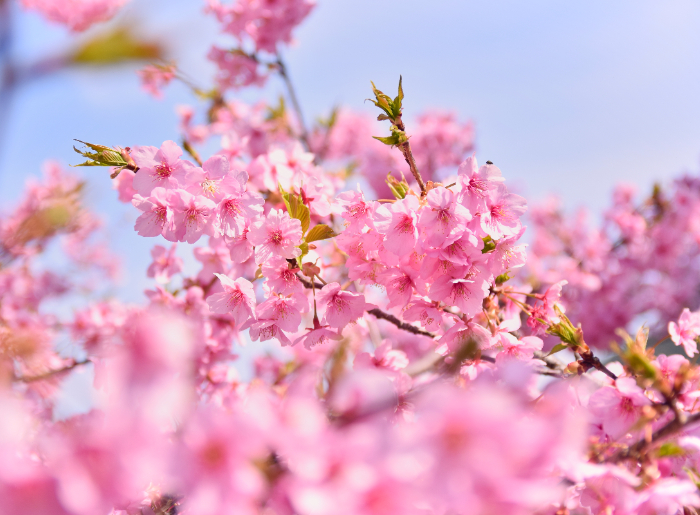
point(165, 263)
point(425, 313)
point(503, 211)
point(317, 336)
point(466, 294)
point(215, 179)
point(384, 357)
point(278, 315)
point(443, 220)
point(543, 314)
point(78, 15)
point(194, 216)
point(236, 210)
point(620, 407)
point(239, 247)
point(478, 182)
point(279, 278)
point(685, 331)
point(400, 284)
point(266, 22)
point(399, 224)
point(155, 77)
point(275, 235)
point(159, 167)
point(157, 217)
point(214, 258)
point(286, 311)
point(236, 69)
point(238, 299)
point(356, 211)
point(338, 308)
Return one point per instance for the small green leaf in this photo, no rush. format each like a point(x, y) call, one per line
point(489, 244)
point(304, 250)
point(102, 156)
point(670, 449)
point(304, 216)
point(320, 232)
point(557, 348)
point(396, 104)
point(116, 46)
point(392, 140)
point(382, 117)
point(504, 277)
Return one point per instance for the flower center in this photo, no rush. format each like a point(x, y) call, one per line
point(163, 170)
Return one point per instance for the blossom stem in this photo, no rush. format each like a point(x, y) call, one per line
point(304, 135)
point(405, 149)
point(51, 373)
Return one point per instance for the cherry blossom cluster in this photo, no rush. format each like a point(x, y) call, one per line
point(405, 351)
point(642, 261)
point(78, 15)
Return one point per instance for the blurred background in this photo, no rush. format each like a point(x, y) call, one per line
point(568, 98)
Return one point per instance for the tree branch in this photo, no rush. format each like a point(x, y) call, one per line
point(51, 373)
point(304, 136)
point(405, 149)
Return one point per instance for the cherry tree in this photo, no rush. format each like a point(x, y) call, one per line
point(425, 359)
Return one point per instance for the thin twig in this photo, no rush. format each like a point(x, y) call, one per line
point(51, 373)
point(405, 149)
point(304, 136)
point(670, 429)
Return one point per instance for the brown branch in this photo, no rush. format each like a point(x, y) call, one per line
point(405, 149)
point(304, 136)
point(398, 323)
point(670, 429)
point(588, 360)
point(51, 373)
point(378, 313)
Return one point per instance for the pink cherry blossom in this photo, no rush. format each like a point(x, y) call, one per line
point(280, 278)
point(238, 299)
point(399, 224)
point(503, 210)
point(155, 77)
point(478, 182)
point(466, 294)
point(158, 215)
point(337, 307)
point(236, 69)
point(685, 331)
point(444, 220)
point(165, 263)
point(619, 407)
point(275, 235)
point(194, 216)
point(78, 15)
point(159, 168)
point(315, 336)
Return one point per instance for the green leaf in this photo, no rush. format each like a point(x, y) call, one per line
point(504, 277)
point(557, 348)
point(296, 208)
point(382, 117)
point(670, 449)
point(396, 104)
point(489, 244)
point(116, 46)
point(304, 216)
point(392, 140)
point(320, 232)
point(304, 251)
point(102, 156)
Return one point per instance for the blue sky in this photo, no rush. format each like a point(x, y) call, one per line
point(567, 97)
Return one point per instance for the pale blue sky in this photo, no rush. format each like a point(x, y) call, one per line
point(567, 97)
